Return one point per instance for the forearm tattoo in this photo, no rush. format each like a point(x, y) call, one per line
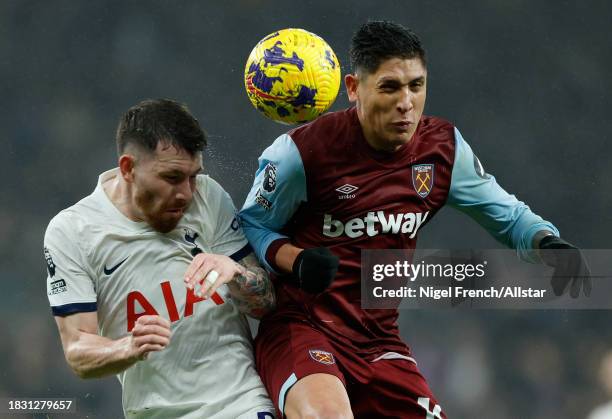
point(253, 291)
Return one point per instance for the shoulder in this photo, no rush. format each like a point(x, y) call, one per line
point(602, 411)
point(210, 192)
point(207, 185)
point(66, 233)
point(437, 128)
point(73, 220)
point(437, 135)
point(63, 223)
point(326, 125)
point(282, 157)
point(326, 137)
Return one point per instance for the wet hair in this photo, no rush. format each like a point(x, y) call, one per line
point(160, 120)
point(378, 41)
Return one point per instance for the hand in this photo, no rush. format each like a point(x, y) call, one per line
point(570, 266)
point(150, 334)
point(315, 269)
point(207, 272)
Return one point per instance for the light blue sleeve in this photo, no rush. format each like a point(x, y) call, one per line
point(478, 195)
point(277, 192)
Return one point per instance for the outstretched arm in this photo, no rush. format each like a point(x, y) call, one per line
point(477, 194)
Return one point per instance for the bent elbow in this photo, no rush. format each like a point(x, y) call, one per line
point(81, 373)
point(77, 367)
point(259, 310)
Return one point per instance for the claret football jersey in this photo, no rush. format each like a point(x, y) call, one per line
point(322, 184)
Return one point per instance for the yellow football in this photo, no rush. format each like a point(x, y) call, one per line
point(292, 76)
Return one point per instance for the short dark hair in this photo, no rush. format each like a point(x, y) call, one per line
point(155, 120)
point(377, 41)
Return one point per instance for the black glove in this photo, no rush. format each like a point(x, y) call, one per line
point(570, 266)
point(314, 269)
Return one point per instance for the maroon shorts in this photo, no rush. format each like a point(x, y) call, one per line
point(392, 388)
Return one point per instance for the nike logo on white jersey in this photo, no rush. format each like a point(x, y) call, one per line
point(375, 223)
point(108, 271)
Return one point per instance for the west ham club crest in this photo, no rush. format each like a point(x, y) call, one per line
point(422, 179)
point(323, 357)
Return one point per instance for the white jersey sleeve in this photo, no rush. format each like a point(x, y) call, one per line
point(228, 236)
point(69, 284)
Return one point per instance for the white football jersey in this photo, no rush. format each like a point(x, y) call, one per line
point(99, 260)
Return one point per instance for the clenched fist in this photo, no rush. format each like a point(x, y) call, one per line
point(150, 334)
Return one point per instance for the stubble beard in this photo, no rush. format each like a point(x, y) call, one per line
point(156, 219)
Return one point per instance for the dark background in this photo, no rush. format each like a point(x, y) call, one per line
point(526, 82)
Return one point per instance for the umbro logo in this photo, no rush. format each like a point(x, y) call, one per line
point(346, 191)
point(108, 271)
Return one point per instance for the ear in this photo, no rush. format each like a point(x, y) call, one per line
point(351, 81)
point(127, 163)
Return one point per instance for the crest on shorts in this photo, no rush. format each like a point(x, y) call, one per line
point(422, 179)
point(323, 357)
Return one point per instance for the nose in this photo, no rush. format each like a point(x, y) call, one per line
point(184, 190)
point(405, 100)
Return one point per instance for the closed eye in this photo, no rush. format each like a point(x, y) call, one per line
point(389, 87)
point(417, 84)
point(173, 178)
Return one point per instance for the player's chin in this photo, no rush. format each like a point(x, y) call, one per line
point(166, 222)
point(398, 139)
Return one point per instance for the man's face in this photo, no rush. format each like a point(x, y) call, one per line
point(163, 184)
point(389, 101)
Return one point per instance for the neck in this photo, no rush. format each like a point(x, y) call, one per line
point(120, 194)
point(377, 145)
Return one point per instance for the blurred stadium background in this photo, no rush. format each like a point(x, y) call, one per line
point(527, 83)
